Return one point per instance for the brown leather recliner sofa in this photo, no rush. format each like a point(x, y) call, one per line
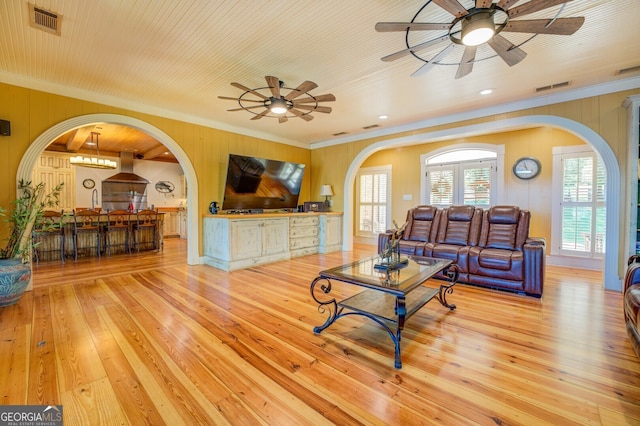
point(491, 248)
point(631, 302)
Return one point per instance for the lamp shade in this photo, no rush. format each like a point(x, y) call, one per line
point(326, 190)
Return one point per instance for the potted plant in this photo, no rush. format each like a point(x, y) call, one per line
point(15, 265)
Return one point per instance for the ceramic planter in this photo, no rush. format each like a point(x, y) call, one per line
point(14, 278)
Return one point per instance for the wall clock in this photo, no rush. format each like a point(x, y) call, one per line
point(88, 183)
point(527, 168)
point(165, 187)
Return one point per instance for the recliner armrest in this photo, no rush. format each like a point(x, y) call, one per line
point(536, 241)
point(534, 263)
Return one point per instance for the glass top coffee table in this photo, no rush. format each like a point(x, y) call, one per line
point(390, 296)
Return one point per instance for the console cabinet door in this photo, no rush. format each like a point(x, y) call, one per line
point(246, 239)
point(330, 233)
point(275, 236)
point(334, 231)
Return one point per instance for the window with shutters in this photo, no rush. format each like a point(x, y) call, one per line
point(582, 205)
point(373, 208)
point(461, 177)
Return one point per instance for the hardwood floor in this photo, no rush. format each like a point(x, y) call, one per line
point(150, 340)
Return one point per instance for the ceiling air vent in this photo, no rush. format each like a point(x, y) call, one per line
point(628, 70)
point(373, 126)
point(339, 133)
point(552, 86)
point(45, 20)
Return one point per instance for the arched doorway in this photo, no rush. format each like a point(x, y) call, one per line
point(34, 151)
point(612, 280)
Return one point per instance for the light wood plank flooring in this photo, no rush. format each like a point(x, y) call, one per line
point(150, 340)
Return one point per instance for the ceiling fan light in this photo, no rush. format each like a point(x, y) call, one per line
point(278, 106)
point(477, 29)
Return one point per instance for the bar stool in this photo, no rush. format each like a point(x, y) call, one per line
point(47, 235)
point(87, 223)
point(146, 223)
point(118, 230)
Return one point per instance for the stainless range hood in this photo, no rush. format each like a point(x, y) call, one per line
point(126, 174)
point(125, 190)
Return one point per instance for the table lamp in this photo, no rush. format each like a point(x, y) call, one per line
point(327, 192)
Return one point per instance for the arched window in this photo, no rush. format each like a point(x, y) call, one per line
point(458, 177)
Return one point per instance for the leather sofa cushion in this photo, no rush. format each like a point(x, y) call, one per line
point(500, 228)
point(504, 214)
point(456, 253)
point(495, 259)
point(424, 213)
point(412, 247)
point(496, 263)
point(421, 222)
point(460, 213)
point(502, 236)
point(456, 227)
point(457, 233)
point(420, 231)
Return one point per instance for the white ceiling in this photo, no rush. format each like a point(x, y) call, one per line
point(174, 58)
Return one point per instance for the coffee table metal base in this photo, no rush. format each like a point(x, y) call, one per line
point(383, 308)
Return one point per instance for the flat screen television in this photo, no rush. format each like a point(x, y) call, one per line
point(258, 183)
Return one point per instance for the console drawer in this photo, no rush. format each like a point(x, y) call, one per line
point(298, 221)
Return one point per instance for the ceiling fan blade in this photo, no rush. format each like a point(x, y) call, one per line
point(506, 4)
point(561, 26)
point(246, 89)
point(245, 108)
point(320, 98)
point(483, 4)
point(453, 7)
point(506, 50)
point(297, 113)
point(282, 119)
point(466, 63)
point(383, 27)
point(426, 67)
point(262, 114)
point(303, 88)
point(533, 6)
point(238, 99)
point(318, 108)
point(415, 48)
point(274, 85)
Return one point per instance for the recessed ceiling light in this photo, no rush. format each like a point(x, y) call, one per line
point(383, 117)
point(486, 91)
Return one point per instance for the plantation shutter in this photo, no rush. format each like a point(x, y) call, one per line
point(373, 195)
point(583, 204)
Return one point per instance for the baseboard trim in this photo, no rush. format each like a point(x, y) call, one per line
point(576, 262)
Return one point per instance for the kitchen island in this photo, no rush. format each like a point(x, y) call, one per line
point(49, 246)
